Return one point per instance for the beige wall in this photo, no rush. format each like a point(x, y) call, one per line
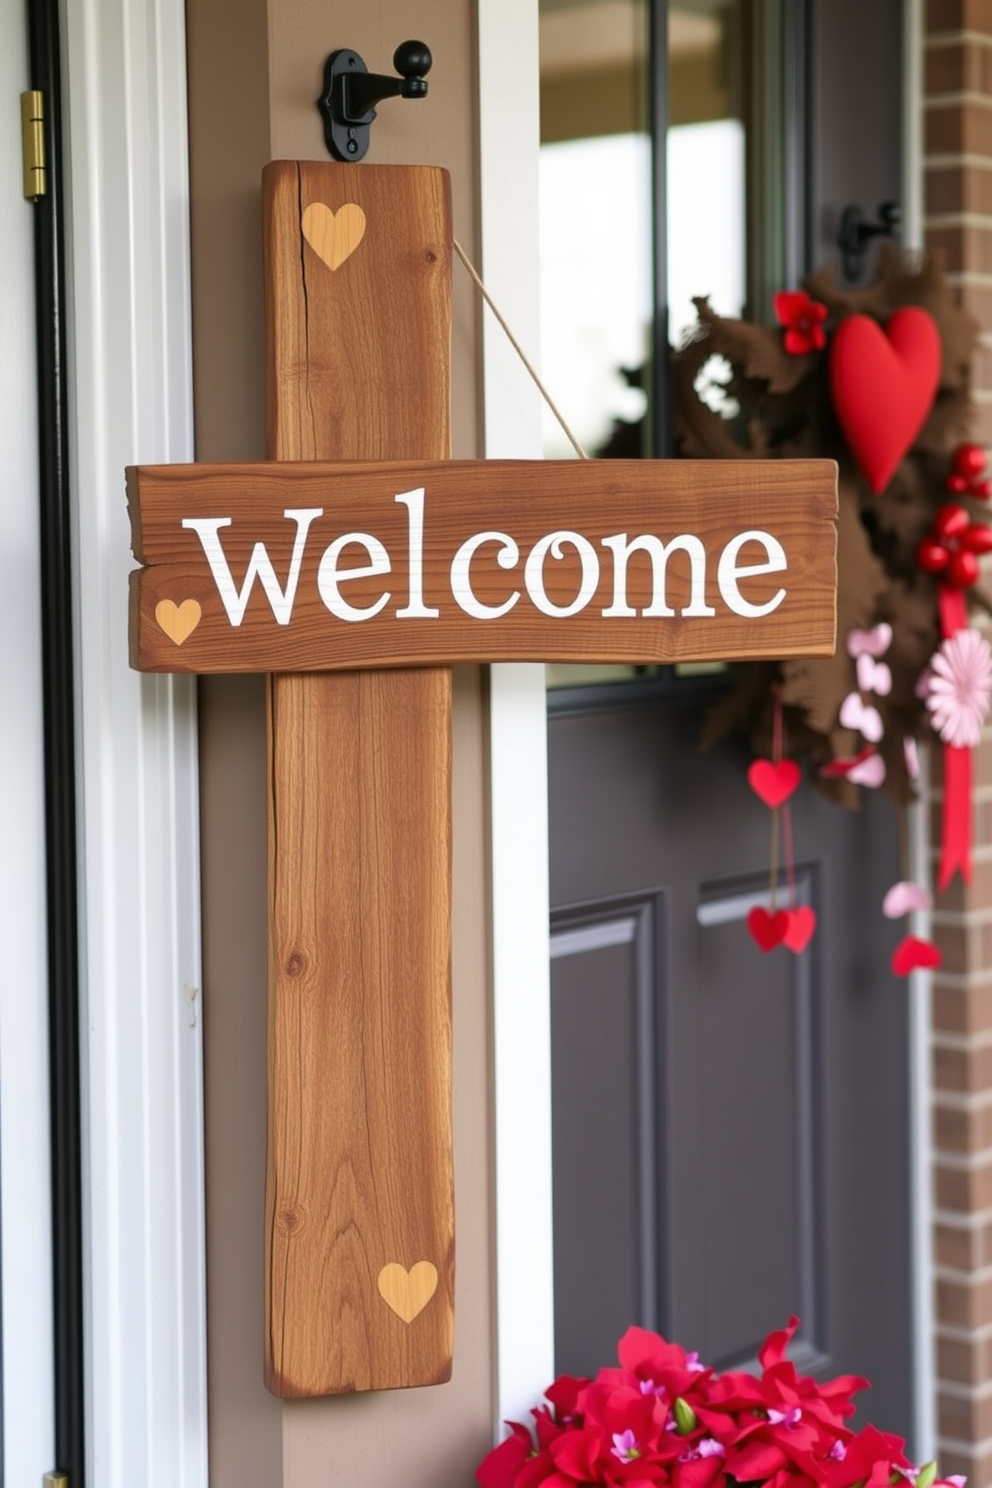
point(255, 69)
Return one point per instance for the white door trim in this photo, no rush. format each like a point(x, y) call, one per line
point(25, 1153)
point(518, 738)
point(508, 184)
point(130, 376)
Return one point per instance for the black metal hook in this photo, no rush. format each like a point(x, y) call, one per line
point(351, 92)
point(856, 234)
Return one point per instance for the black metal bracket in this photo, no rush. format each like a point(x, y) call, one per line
point(856, 234)
point(351, 92)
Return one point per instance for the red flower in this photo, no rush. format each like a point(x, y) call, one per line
point(803, 321)
point(872, 1457)
point(660, 1420)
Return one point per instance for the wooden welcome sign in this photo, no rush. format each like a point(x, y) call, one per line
point(355, 585)
point(324, 567)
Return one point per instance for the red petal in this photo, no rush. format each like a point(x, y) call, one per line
point(755, 1462)
point(773, 1349)
point(790, 306)
point(798, 342)
point(499, 1468)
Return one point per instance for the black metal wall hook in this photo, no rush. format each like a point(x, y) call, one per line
point(856, 234)
point(351, 92)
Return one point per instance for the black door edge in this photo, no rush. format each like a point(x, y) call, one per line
point(59, 769)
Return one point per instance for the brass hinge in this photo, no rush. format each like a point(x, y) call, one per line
point(55, 1480)
point(33, 142)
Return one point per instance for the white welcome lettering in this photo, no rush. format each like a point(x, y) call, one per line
point(415, 607)
point(659, 553)
point(329, 576)
point(259, 565)
point(461, 578)
point(729, 571)
point(554, 544)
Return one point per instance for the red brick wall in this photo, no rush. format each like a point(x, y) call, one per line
point(958, 219)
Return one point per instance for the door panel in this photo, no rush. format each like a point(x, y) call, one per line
point(730, 1127)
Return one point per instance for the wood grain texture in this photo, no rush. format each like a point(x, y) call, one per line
point(793, 501)
point(360, 1038)
point(359, 1170)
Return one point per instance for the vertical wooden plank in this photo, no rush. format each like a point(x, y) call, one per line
point(359, 1181)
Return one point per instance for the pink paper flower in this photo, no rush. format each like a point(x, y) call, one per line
point(958, 683)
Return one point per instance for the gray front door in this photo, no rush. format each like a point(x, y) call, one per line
point(731, 1129)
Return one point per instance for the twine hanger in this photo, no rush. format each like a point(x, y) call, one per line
point(474, 276)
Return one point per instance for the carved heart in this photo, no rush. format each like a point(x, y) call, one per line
point(333, 236)
point(407, 1292)
point(799, 931)
point(767, 930)
point(883, 383)
point(178, 621)
point(773, 783)
point(912, 953)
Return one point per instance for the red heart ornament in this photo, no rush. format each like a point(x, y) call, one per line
point(882, 383)
point(799, 931)
point(773, 783)
point(767, 930)
point(913, 953)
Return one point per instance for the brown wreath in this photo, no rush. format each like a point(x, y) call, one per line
point(777, 404)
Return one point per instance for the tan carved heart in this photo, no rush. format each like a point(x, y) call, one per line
point(407, 1292)
point(333, 236)
point(178, 621)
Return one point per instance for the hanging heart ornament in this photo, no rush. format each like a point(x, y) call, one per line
point(883, 381)
point(774, 781)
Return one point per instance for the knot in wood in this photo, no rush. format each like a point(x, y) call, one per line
point(291, 1218)
point(296, 964)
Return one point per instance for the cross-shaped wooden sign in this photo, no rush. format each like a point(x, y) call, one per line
point(355, 585)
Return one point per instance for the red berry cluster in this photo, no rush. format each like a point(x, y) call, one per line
point(951, 547)
point(967, 477)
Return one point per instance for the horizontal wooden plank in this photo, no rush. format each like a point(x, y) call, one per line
point(304, 567)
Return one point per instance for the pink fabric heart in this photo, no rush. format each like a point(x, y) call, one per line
point(874, 676)
point(854, 714)
point(912, 953)
point(869, 772)
point(903, 898)
point(874, 642)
